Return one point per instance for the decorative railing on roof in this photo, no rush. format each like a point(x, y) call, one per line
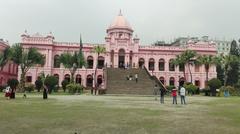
point(74, 44)
point(37, 40)
point(161, 48)
point(193, 46)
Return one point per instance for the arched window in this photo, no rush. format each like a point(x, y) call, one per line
point(78, 79)
point(56, 63)
point(161, 65)
point(151, 64)
point(100, 62)
point(172, 81)
point(67, 77)
point(162, 80)
point(141, 63)
point(99, 80)
point(28, 79)
point(171, 65)
point(181, 81)
point(90, 62)
point(197, 83)
point(89, 81)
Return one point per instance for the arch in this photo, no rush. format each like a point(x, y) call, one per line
point(141, 62)
point(90, 62)
point(56, 62)
point(67, 77)
point(130, 59)
point(197, 83)
point(151, 64)
point(161, 64)
point(99, 80)
point(112, 58)
point(101, 62)
point(89, 81)
point(28, 77)
point(161, 79)
point(181, 81)
point(78, 79)
point(172, 81)
point(171, 65)
point(121, 58)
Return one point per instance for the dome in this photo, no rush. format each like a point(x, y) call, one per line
point(120, 22)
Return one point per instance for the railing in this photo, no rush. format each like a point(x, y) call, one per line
point(153, 77)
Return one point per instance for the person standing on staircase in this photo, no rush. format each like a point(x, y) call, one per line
point(136, 77)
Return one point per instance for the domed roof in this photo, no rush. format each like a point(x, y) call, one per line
point(120, 22)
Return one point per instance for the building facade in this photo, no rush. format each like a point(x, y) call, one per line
point(122, 49)
point(9, 71)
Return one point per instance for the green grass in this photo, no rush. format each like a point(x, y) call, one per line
point(66, 114)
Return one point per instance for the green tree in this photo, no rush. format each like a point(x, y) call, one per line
point(69, 61)
point(233, 74)
point(225, 62)
point(180, 61)
point(234, 50)
point(99, 50)
point(13, 83)
point(64, 85)
point(73, 61)
point(4, 57)
point(51, 82)
point(38, 84)
point(187, 57)
point(207, 61)
point(25, 58)
point(214, 84)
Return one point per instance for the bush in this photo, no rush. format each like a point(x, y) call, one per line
point(13, 83)
point(74, 88)
point(190, 88)
point(64, 84)
point(214, 84)
point(38, 84)
point(2, 88)
point(206, 91)
point(51, 82)
point(232, 91)
point(29, 88)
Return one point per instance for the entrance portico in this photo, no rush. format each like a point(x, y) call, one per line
point(121, 58)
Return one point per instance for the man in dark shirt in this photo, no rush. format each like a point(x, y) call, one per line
point(162, 93)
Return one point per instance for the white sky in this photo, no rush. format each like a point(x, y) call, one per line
point(151, 19)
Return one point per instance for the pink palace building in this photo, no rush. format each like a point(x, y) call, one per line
point(9, 71)
point(122, 48)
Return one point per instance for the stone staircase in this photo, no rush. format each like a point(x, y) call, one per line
point(117, 82)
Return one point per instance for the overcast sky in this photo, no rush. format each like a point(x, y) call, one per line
point(151, 19)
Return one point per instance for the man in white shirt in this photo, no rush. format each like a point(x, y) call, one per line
point(182, 95)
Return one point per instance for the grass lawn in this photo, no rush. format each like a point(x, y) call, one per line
point(80, 114)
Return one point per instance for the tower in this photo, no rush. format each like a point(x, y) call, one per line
point(120, 43)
